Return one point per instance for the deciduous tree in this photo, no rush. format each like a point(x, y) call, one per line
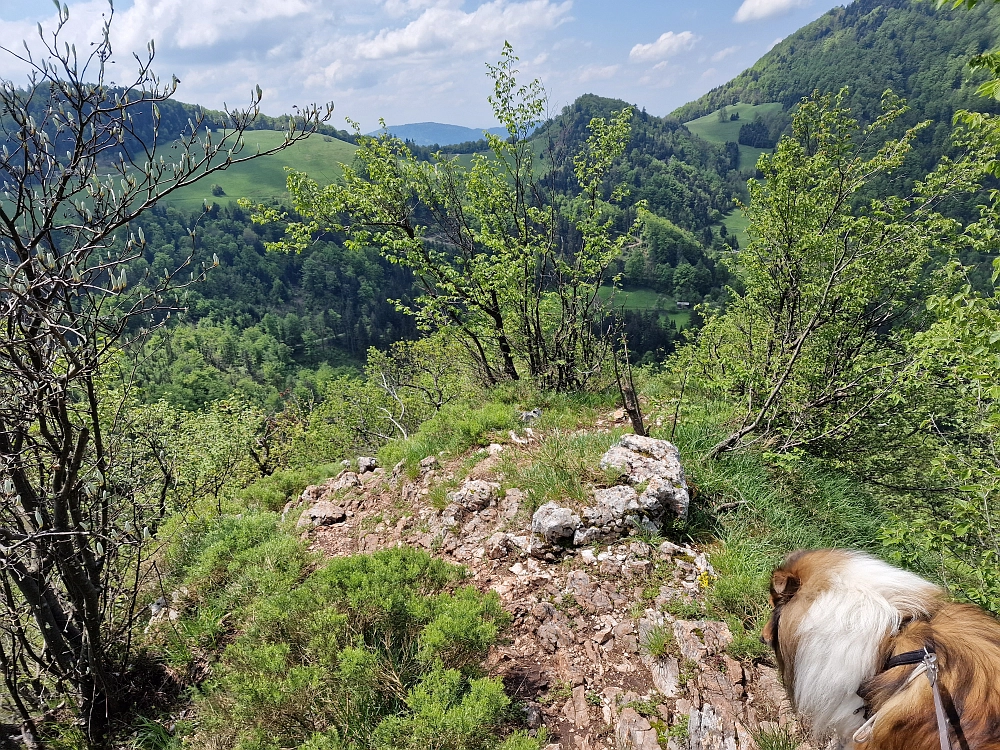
point(81, 157)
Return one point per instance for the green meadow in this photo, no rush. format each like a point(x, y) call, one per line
point(646, 299)
point(736, 223)
point(713, 131)
point(262, 179)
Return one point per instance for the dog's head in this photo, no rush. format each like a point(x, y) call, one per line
point(832, 613)
point(787, 581)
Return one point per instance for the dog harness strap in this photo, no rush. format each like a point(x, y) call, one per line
point(864, 732)
point(930, 661)
point(908, 657)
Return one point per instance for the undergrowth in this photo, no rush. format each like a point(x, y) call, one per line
point(452, 431)
point(371, 651)
point(562, 468)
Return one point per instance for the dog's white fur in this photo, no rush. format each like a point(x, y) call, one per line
point(861, 603)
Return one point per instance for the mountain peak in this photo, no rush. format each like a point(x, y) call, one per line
point(437, 133)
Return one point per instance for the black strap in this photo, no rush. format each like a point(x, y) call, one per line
point(908, 657)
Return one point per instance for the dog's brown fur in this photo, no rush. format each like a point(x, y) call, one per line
point(965, 639)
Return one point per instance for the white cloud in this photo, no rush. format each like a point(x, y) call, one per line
point(597, 73)
point(443, 28)
point(775, 43)
point(722, 54)
point(754, 10)
point(668, 45)
point(407, 60)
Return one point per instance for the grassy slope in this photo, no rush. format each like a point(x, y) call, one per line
point(264, 178)
point(713, 131)
point(736, 223)
point(645, 299)
point(709, 128)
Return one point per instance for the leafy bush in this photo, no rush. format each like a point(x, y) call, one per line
point(271, 493)
point(452, 430)
point(370, 651)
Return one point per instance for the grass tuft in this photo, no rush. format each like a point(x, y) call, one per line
point(659, 641)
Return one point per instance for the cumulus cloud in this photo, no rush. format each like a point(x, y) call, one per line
point(597, 73)
point(668, 45)
point(722, 54)
point(408, 59)
point(444, 28)
point(754, 10)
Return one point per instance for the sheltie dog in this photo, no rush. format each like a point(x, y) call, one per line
point(839, 617)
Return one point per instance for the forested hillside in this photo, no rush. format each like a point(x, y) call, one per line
point(411, 451)
point(911, 47)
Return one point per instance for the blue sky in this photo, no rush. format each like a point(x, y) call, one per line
point(418, 60)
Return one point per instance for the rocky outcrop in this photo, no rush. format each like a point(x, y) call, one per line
point(655, 467)
point(584, 599)
point(323, 513)
point(655, 490)
point(555, 524)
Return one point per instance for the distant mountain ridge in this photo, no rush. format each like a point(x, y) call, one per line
point(438, 133)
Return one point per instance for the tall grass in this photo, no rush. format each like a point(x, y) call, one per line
point(452, 431)
point(562, 468)
point(761, 507)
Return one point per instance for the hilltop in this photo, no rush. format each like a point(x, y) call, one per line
point(437, 133)
point(871, 46)
point(908, 46)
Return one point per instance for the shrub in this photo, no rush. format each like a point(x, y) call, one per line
point(271, 493)
point(370, 651)
point(451, 431)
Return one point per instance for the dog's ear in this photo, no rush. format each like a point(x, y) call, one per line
point(784, 585)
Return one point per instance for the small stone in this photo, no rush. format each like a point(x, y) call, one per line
point(624, 628)
point(634, 732)
point(323, 513)
point(366, 464)
point(669, 549)
point(543, 610)
point(600, 601)
point(581, 709)
point(586, 536)
point(588, 557)
point(428, 463)
point(475, 494)
point(665, 673)
point(578, 583)
point(700, 638)
point(556, 524)
point(500, 545)
point(532, 715)
point(641, 567)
